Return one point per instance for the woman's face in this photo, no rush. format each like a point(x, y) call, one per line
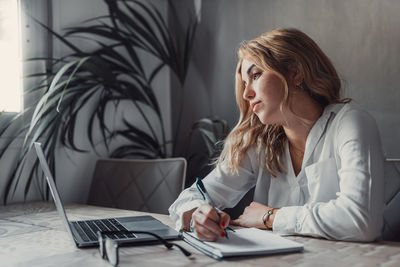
point(264, 90)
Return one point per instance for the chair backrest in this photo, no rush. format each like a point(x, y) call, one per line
point(136, 184)
point(391, 229)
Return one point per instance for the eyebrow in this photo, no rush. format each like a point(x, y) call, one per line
point(249, 69)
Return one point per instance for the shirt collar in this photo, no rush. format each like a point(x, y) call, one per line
point(319, 128)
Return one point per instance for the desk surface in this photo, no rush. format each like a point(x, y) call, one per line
point(32, 234)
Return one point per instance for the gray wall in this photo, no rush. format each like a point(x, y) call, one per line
point(361, 37)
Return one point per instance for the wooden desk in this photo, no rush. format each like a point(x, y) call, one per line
point(32, 234)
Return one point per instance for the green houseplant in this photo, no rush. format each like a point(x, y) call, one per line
point(92, 81)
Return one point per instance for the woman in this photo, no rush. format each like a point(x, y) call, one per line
point(315, 159)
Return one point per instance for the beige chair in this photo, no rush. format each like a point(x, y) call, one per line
point(143, 185)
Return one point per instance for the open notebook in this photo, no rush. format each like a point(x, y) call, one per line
point(244, 242)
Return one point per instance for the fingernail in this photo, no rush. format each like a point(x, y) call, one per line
point(223, 224)
point(222, 234)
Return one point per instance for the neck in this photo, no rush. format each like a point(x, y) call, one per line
point(305, 112)
point(297, 136)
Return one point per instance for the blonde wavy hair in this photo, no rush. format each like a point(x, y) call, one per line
point(282, 51)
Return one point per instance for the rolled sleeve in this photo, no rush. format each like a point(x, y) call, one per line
point(288, 220)
point(224, 187)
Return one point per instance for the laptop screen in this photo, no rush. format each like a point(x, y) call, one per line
point(52, 185)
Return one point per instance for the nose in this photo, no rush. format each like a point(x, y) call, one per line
point(248, 93)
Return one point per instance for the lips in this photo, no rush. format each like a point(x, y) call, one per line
point(253, 105)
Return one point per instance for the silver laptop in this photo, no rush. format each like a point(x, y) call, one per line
point(84, 233)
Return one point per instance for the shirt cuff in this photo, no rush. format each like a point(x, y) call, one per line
point(182, 209)
point(288, 220)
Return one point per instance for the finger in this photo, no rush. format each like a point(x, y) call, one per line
point(234, 222)
point(237, 222)
point(204, 233)
point(209, 212)
point(210, 218)
point(224, 219)
point(204, 220)
point(246, 209)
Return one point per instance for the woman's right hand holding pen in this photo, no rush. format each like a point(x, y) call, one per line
point(209, 224)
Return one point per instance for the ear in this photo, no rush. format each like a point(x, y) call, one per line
point(296, 75)
point(298, 78)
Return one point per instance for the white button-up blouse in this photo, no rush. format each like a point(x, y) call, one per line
point(338, 193)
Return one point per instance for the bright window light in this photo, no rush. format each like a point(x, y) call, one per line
point(10, 63)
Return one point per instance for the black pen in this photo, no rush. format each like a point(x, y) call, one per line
point(202, 189)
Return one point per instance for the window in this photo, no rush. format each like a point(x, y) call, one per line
point(10, 54)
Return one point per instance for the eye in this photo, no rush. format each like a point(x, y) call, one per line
point(256, 75)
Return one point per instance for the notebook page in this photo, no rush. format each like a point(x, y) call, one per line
point(246, 241)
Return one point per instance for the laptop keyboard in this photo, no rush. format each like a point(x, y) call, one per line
point(88, 229)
